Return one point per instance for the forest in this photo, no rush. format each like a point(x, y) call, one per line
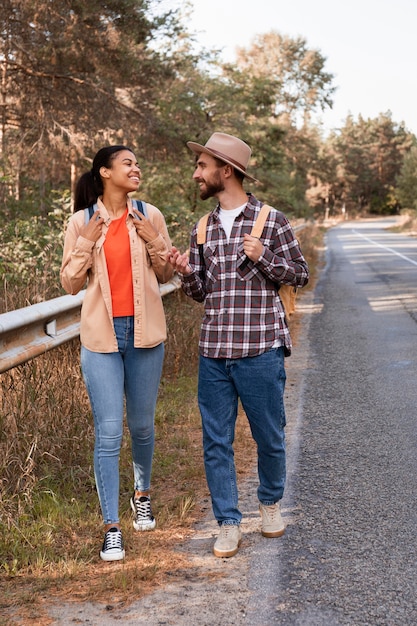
point(76, 76)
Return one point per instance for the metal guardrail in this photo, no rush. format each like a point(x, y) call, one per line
point(33, 330)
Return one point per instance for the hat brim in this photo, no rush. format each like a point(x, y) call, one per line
point(198, 149)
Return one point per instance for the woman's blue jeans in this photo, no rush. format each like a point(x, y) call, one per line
point(132, 374)
point(259, 382)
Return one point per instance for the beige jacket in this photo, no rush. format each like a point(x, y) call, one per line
point(84, 261)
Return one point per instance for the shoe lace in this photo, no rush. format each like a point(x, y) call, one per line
point(143, 507)
point(113, 539)
point(226, 529)
point(271, 512)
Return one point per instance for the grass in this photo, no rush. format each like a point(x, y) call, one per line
point(50, 520)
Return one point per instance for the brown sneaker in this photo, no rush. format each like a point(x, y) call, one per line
point(272, 522)
point(228, 541)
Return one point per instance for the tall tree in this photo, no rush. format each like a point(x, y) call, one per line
point(370, 153)
point(406, 190)
point(75, 73)
point(298, 80)
point(277, 84)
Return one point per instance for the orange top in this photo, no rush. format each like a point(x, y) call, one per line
point(119, 267)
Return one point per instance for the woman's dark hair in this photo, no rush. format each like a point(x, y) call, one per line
point(90, 186)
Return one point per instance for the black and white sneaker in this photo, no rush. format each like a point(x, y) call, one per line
point(113, 549)
point(141, 507)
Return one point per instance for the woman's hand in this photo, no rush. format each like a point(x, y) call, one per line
point(92, 230)
point(144, 227)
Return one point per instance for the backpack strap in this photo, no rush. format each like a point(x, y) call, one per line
point(287, 293)
point(256, 231)
point(201, 229)
point(201, 235)
point(89, 212)
point(139, 205)
point(259, 224)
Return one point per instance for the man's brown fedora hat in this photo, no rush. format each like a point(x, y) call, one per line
point(227, 148)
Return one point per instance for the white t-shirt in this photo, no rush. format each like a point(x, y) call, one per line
point(228, 217)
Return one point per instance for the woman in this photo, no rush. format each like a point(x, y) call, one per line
point(123, 255)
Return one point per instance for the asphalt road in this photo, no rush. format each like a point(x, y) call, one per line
point(349, 553)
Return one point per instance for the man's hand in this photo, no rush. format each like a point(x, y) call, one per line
point(180, 262)
point(253, 247)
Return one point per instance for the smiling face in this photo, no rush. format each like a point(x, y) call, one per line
point(124, 172)
point(209, 175)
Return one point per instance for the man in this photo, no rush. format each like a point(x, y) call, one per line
point(244, 334)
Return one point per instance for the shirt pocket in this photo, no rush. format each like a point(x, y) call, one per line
point(211, 263)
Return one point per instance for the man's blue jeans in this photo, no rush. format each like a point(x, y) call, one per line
point(134, 374)
point(259, 382)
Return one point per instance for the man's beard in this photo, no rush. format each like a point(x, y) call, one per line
point(212, 188)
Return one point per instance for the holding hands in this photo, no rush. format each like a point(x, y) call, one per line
point(179, 261)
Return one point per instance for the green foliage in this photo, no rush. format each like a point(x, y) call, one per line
point(406, 191)
point(369, 154)
point(31, 252)
point(298, 81)
point(175, 195)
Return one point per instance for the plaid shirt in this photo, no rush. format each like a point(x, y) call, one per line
point(243, 312)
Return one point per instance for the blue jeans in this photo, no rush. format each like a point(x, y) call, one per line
point(259, 382)
point(134, 374)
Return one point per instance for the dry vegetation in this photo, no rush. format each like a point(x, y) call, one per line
point(49, 516)
point(407, 224)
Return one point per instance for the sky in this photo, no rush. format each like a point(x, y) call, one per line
point(370, 47)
